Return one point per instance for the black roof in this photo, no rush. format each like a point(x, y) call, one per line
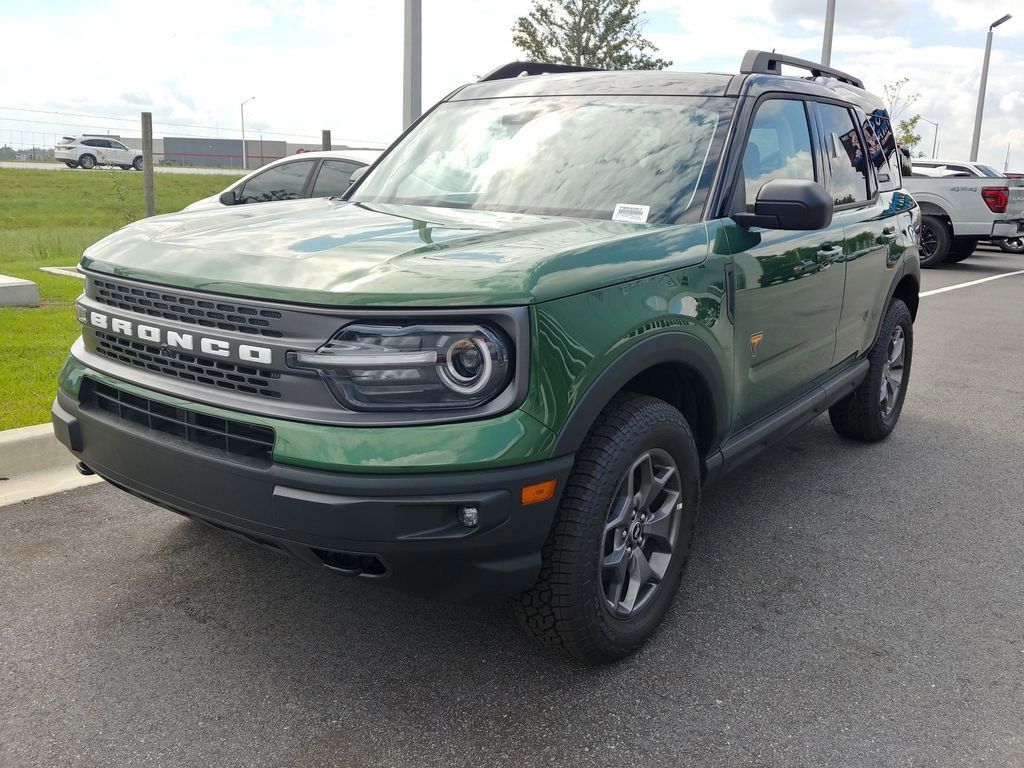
point(759, 75)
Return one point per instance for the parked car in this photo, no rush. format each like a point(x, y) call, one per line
point(942, 168)
point(961, 205)
point(510, 359)
point(307, 174)
point(88, 151)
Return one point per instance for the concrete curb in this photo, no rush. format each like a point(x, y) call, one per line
point(33, 463)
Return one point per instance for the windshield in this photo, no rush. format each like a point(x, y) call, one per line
point(622, 158)
point(987, 170)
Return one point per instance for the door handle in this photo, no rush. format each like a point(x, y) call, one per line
point(888, 235)
point(827, 255)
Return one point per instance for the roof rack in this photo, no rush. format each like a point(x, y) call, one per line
point(517, 68)
point(765, 63)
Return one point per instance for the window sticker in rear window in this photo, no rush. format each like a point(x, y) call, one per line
point(634, 214)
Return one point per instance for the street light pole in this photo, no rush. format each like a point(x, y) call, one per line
point(241, 108)
point(981, 91)
point(935, 141)
point(830, 22)
point(412, 70)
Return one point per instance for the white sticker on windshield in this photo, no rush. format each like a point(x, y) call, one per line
point(634, 214)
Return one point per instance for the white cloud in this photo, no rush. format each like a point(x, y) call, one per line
point(316, 64)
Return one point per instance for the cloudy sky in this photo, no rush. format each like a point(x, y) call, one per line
point(314, 64)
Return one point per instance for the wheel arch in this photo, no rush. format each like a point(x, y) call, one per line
point(675, 367)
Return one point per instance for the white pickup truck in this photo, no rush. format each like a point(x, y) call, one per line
point(959, 209)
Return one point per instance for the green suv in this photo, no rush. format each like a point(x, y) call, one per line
point(563, 303)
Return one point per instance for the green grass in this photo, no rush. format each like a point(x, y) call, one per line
point(47, 218)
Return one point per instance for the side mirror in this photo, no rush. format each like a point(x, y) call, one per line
point(357, 174)
point(789, 204)
point(229, 197)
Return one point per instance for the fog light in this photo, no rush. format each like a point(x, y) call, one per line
point(469, 516)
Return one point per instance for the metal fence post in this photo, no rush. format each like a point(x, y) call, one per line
point(147, 163)
point(325, 140)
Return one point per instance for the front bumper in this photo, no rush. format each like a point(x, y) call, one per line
point(401, 528)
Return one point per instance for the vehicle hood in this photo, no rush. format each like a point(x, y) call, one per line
point(337, 253)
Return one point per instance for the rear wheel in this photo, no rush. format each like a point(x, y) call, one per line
point(622, 535)
point(936, 240)
point(1012, 245)
point(870, 413)
point(961, 249)
point(87, 161)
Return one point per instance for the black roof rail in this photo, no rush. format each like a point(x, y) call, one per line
point(517, 68)
point(770, 63)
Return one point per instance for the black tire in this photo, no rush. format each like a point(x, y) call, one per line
point(70, 163)
point(87, 161)
point(961, 249)
point(1011, 245)
point(936, 240)
point(569, 607)
point(136, 164)
point(864, 415)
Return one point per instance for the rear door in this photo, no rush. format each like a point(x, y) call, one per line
point(874, 236)
point(333, 178)
point(788, 284)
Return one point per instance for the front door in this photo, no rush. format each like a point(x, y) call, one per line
point(788, 285)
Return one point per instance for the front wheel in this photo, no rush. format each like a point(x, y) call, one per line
point(137, 163)
point(870, 413)
point(70, 163)
point(622, 535)
point(936, 240)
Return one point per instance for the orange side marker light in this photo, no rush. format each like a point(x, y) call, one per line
point(533, 494)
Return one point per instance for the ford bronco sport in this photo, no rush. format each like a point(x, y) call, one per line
point(559, 306)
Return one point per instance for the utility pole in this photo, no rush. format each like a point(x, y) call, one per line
point(935, 140)
point(325, 140)
point(981, 90)
point(241, 108)
point(830, 23)
point(412, 70)
point(147, 163)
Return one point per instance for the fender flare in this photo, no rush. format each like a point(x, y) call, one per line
point(901, 273)
point(666, 347)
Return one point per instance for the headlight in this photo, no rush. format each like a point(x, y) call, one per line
point(413, 367)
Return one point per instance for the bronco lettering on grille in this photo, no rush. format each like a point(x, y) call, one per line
point(175, 340)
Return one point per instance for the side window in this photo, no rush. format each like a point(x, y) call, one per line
point(882, 150)
point(116, 145)
point(333, 178)
point(845, 155)
point(92, 143)
point(285, 182)
point(779, 147)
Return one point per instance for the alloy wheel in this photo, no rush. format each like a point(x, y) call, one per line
point(640, 534)
point(892, 372)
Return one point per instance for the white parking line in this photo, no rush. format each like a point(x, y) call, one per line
point(972, 282)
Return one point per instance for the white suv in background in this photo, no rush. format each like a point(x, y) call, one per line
point(309, 174)
point(89, 151)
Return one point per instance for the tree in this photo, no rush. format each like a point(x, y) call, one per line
point(906, 133)
point(899, 102)
point(591, 33)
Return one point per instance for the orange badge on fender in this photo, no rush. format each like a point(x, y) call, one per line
point(755, 343)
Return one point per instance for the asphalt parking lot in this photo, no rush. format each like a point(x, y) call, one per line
point(846, 605)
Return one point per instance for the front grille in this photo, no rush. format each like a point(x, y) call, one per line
point(212, 432)
point(227, 316)
point(202, 370)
